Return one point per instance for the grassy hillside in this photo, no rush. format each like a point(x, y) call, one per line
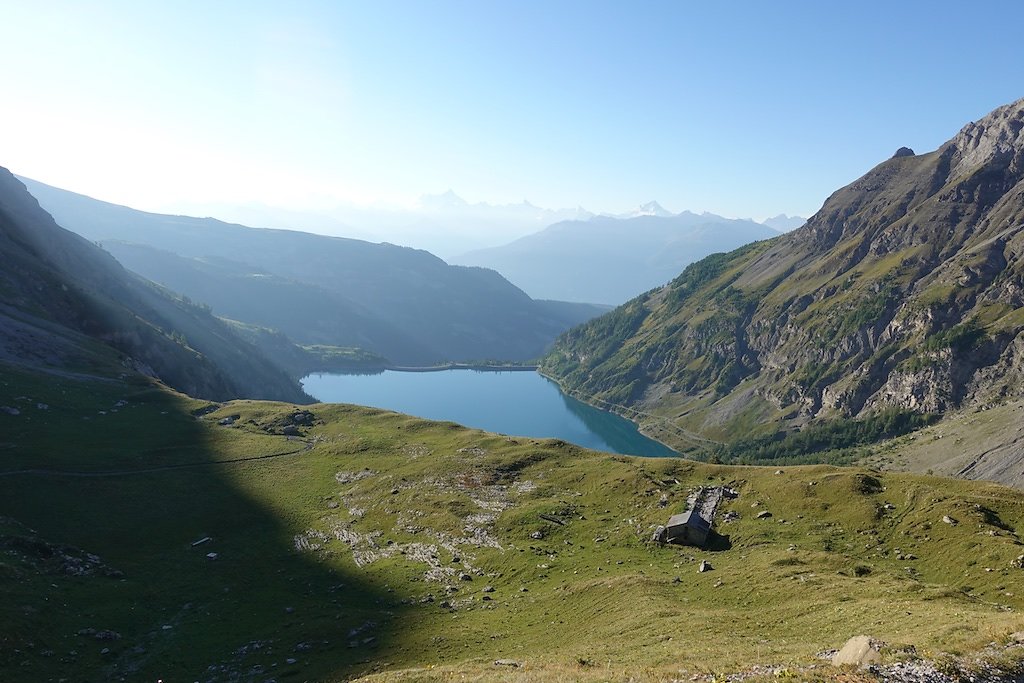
point(370, 541)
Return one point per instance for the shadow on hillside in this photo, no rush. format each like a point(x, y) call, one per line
point(717, 542)
point(243, 605)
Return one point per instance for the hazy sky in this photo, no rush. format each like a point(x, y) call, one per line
point(739, 108)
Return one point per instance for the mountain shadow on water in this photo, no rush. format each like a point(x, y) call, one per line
point(619, 433)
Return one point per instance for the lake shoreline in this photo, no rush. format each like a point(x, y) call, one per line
point(583, 399)
point(522, 402)
point(479, 367)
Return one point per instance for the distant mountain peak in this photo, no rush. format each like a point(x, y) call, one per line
point(652, 208)
point(445, 200)
point(784, 223)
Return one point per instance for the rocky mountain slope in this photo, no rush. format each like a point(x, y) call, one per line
point(66, 304)
point(611, 259)
point(403, 303)
point(903, 296)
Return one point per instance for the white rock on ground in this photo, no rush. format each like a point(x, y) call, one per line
point(858, 651)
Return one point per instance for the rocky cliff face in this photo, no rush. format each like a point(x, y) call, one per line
point(904, 292)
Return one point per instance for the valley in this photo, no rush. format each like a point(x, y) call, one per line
point(641, 447)
point(404, 304)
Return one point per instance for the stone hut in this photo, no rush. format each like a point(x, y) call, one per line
point(689, 528)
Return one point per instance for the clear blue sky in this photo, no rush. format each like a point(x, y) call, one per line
point(740, 108)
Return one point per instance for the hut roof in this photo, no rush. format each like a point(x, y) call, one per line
point(689, 518)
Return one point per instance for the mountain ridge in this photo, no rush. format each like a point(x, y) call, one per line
point(607, 259)
point(902, 293)
point(438, 311)
point(62, 294)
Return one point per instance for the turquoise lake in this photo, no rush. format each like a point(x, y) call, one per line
point(513, 403)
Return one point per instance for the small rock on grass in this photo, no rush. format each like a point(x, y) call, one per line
point(507, 662)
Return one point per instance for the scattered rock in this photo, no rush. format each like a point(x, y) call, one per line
point(1018, 563)
point(465, 577)
point(704, 566)
point(488, 589)
point(763, 514)
point(537, 535)
point(949, 520)
point(351, 477)
point(663, 501)
point(228, 421)
point(507, 662)
point(859, 651)
point(107, 634)
point(290, 430)
point(9, 410)
point(212, 556)
point(778, 471)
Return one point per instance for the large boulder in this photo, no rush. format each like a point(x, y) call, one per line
point(859, 651)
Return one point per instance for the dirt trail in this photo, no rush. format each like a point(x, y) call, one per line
point(165, 468)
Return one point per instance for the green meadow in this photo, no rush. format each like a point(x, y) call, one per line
point(356, 542)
